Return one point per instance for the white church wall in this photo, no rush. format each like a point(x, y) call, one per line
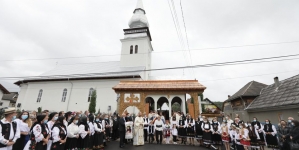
point(22, 94)
point(76, 98)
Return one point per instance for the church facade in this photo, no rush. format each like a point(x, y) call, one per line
point(69, 87)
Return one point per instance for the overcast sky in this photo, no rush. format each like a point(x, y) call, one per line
point(54, 28)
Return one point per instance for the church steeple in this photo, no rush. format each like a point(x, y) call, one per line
point(138, 19)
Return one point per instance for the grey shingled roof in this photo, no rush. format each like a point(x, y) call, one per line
point(12, 97)
point(252, 88)
point(287, 94)
point(88, 70)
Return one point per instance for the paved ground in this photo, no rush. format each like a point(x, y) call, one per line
point(115, 145)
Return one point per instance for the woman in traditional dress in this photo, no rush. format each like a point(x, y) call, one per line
point(92, 131)
point(207, 132)
point(59, 134)
point(254, 136)
point(51, 121)
point(72, 134)
point(259, 127)
point(39, 134)
point(24, 124)
point(182, 130)
point(198, 130)
point(216, 134)
point(245, 140)
point(83, 141)
point(225, 135)
point(270, 132)
point(167, 131)
point(238, 138)
point(190, 129)
point(99, 134)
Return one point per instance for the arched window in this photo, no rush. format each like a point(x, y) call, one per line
point(64, 95)
point(136, 49)
point(131, 49)
point(90, 94)
point(39, 97)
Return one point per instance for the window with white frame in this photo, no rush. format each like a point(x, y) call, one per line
point(39, 97)
point(90, 94)
point(64, 95)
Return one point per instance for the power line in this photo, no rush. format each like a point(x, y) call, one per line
point(186, 36)
point(177, 30)
point(257, 75)
point(201, 49)
point(248, 61)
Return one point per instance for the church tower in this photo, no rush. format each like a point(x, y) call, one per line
point(136, 45)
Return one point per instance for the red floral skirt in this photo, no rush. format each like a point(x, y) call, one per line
point(245, 143)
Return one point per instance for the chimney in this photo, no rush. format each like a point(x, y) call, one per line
point(276, 81)
point(228, 96)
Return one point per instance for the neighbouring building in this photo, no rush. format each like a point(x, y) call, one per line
point(3, 91)
point(210, 109)
point(237, 103)
point(9, 100)
point(277, 101)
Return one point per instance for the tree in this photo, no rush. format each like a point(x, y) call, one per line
point(93, 101)
point(176, 107)
point(39, 110)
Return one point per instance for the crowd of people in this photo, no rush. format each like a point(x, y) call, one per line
point(85, 131)
point(56, 130)
point(210, 133)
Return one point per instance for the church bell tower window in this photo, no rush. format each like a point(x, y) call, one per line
point(136, 49)
point(131, 49)
point(39, 97)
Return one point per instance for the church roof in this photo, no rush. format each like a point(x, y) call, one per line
point(4, 90)
point(285, 96)
point(100, 70)
point(252, 88)
point(153, 85)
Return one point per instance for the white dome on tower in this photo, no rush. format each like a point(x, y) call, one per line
point(138, 19)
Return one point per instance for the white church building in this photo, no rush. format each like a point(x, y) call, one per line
point(69, 87)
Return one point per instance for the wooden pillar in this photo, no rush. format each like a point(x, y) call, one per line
point(196, 103)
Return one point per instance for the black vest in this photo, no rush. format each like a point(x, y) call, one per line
point(151, 129)
point(99, 126)
point(6, 131)
point(208, 125)
point(181, 122)
point(268, 128)
point(191, 121)
point(215, 126)
point(62, 134)
point(145, 120)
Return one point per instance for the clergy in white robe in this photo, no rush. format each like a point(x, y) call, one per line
point(138, 130)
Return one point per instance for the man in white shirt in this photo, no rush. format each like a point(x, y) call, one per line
point(159, 126)
point(9, 131)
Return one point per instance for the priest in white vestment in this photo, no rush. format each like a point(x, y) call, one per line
point(138, 130)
